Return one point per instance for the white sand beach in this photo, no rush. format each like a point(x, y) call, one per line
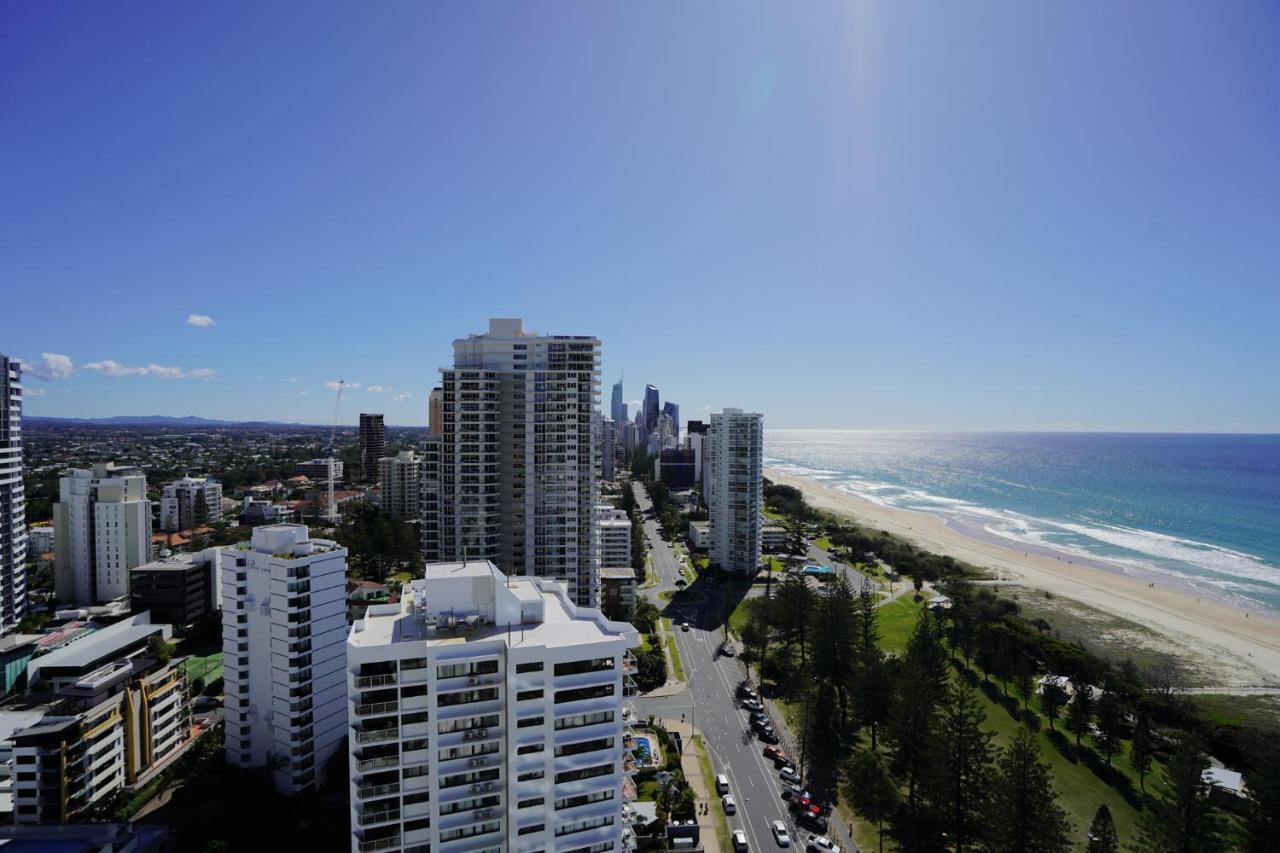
point(1244, 650)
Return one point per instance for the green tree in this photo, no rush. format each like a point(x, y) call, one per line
point(1262, 821)
point(791, 612)
point(1024, 681)
point(962, 788)
point(1140, 751)
point(159, 649)
point(913, 728)
point(200, 510)
point(870, 787)
point(1110, 722)
point(1102, 832)
point(1182, 819)
point(1024, 814)
point(1052, 698)
point(1080, 711)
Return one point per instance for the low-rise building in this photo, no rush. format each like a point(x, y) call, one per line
point(486, 713)
point(178, 590)
point(700, 535)
point(254, 512)
point(361, 594)
point(40, 538)
point(773, 537)
point(618, 592)
point(321, 470)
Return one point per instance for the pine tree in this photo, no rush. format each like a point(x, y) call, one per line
point(871, 789)
point(1110, 719)
point(913, 729)
point(962, 788)
point(1102, 832)
point(1262, 821)
point(1052, 697)
point(1182, 820)
point(1024, 814)
point(1140, 751)
point(1080, 711)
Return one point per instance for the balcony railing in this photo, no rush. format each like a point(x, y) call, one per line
point(375, 680)
point(377, 735)
point(377, 763)
point(372, 791)
point(377, 708)
point(380, 844)
point(378, 816)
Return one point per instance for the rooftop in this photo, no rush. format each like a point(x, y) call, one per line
point(617, 573)
point(92, 649)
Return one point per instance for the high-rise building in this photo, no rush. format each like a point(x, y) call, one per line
point(673, 410)
point(435, 411)
point(651, 409)
point(605, 450)
point(617, 408)
point(735, 449)
point(102, 529)
point(284, 622)
point(517, 477)
point(400, 483)
point(487, 713)
point(696, 440)
point(190, 502)
point(13, 516)
point(373, 443)
point(613, 530)
point(429, 495)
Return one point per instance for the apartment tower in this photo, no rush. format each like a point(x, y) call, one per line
point(13, 518)
point(102, 529)
point(284, 623)
point(189, 503)
point(487, 714)
point(516, 474)
point(400, 482)
point(735, 448)
point(373, 444)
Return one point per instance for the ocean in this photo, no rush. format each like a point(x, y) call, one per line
point(1201, 512)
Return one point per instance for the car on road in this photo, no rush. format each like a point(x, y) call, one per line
point(727, 803)
point(767, 735)
point(777, 756)
point(821, 844)
point(684, 626)
point(722, 783)
point(739, 841)
point(779, 830)
point(789, 774)
point(727, 650)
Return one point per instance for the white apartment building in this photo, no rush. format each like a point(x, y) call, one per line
point(400, 483)
point(516, 474)
point(189, 503)
point(613, 531)
point(102, 529)
point(321, 470)
point(486, 714)
point(13, 516)
point(735, 449)
point(283, 624)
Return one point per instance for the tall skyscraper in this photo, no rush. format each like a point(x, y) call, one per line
point(13, 516)
point(673, 410)
point(651, 410)
point(400, 482)
point(189, 503)
point(284, 623)
point(373, 444)
point(735, 452)
point(102, 529)
point(435, 411)
point(487, 711)
point(516, 478)
point(617, 408)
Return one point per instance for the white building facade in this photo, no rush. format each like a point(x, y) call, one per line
point(516, 473)
point(613, 530)
point(400, 483)
point(181, 505)
point(486, 714)
point(13, 516)
point(102, 529)
point(735, 454)
point(283, 630)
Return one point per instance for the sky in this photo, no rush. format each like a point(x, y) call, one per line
point(1021, 215)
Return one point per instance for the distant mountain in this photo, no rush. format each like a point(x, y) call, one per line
point(149, 420)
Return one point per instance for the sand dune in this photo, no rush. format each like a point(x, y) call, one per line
point(1244, 650)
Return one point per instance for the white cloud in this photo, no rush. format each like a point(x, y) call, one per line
point(34, 392)
point(116, 370)
point(400, 398)
point(380, 389)
point(51, 366)
point(204, 321)
point(292, 379)
point(303, 393)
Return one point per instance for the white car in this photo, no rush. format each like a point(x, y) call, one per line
point(780, 835)
point(822, 844)
point(730, 807)
point(789, 774)
point(684, 626)
point(739, 841)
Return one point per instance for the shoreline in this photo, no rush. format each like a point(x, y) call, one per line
point(1243, 649)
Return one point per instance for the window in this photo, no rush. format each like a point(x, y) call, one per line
point(584, 799)
point(580, 666)
point(525, 695)
point(584, 773)
point(583, 825)
point(574, 721)
point(529, 721)
point(585, 746)
point(468, 831)
point(530, 748)
point(531, 828)
point(530, 803)
point(577, 694)
point(531, 775)
point(532, 666)
point(464, 697)
point(454, 670)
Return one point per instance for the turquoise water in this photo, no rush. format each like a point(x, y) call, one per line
point(1197, 511)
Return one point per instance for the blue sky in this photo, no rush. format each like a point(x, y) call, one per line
point(938, 216)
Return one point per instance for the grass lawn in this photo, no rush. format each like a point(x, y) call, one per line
point(823, 542)
point(670, 640)
point(403, 577)
point(207, 667)
point(738, 618)
point(647, 790)
point(897, 621)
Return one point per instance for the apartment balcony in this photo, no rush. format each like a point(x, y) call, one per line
point(376, 709)
point(378, 735)
point(378, 817)
point(380, 763)
point(372, 792)
point(389, 843)
point(365, 681)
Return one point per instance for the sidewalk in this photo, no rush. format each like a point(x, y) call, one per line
point(702, 787)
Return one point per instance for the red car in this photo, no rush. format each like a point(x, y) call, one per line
point(776, 755)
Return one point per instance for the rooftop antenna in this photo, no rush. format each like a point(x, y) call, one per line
point(331, 506)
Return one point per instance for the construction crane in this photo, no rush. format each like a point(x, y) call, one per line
point(331, 506)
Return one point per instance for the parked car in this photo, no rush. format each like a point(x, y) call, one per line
point(727, 803)
point(777, 756)
point(739, 841)
point(789, 774)
point(722, 784)
point(795, 793)
point(767, 736)
point(747, 692)
point(779, 830)
point(752, 705)
point(821, 844)
point(760, 717)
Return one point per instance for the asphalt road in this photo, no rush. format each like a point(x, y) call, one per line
point(710, 701)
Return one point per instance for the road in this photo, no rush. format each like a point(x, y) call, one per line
point(710, 701)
